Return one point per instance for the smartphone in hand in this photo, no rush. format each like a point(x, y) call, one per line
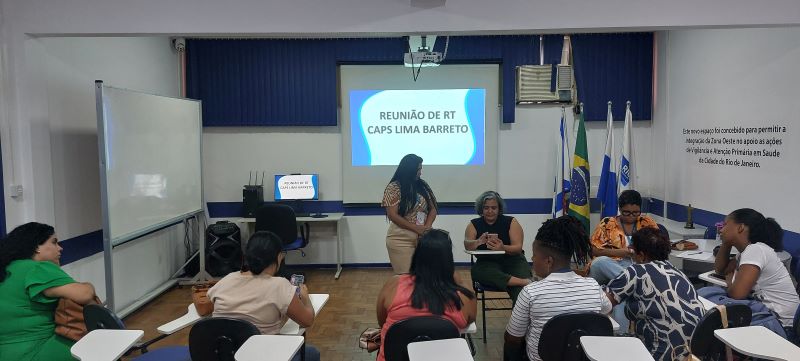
point(297, 280)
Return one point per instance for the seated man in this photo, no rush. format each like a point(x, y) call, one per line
point(559, 243)
point(495, 231)
point(611, 240)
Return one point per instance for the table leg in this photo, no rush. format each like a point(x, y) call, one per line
point(338, 249)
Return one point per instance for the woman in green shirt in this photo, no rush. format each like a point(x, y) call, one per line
point(31, 283)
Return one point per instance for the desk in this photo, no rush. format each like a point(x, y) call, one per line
point(269, 348)
point(318, 300)
point(105, 345)
point(190, 318)
point(707, 305)
point(452, 349)
point(249, 224)
point(712, 280)
point(759, 342)
point(702, 259)
point(676, 228)
point(609, 348)
point(479, 252)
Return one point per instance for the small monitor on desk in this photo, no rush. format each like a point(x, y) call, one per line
point(295, 187)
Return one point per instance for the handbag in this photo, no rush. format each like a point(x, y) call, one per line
point(200, 298)
point(69, 319)
point(370, 339)
point(684, 245)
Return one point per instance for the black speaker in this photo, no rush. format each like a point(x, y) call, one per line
point(223, 248)
point(252, 198)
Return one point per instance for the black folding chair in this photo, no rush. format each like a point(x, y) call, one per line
point(480, 292)
point(561, 335)
point(98, 317)
point(415, 329)
point(218, 338)
point(707, 347)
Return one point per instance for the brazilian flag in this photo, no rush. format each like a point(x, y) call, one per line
point(579, 195)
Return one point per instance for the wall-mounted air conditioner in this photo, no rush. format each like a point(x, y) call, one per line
point(544, 84)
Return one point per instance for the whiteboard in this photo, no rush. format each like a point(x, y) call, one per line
point(150, 161)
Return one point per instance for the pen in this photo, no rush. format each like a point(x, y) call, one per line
point(693, 253)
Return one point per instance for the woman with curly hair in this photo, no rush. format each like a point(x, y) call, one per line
point(659, 299)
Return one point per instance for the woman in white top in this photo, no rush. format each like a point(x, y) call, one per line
point(256, 295)
point(757, 268)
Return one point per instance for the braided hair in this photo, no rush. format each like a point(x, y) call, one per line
point(565, 236)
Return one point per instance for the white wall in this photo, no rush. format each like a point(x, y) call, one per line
point(383, 16)
point(724, 78)
point(526, 167)
point(63, 74)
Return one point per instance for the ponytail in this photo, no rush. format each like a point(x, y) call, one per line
point(761, 229)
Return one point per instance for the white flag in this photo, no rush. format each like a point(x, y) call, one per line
point(561, 184)
point(626, 169)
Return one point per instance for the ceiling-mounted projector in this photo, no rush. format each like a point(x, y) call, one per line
point(423, 56)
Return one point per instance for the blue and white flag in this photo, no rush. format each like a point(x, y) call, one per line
point(625, 172)
point(607, 189)
point(561, 184)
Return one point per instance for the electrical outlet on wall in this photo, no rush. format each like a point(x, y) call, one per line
point(15, 190)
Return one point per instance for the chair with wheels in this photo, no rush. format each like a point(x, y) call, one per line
point(415, 329)
point(218, 338)
point(480, 293)
point(98, 317)
point(561, 335)
point(704, 344)
point(281, 220)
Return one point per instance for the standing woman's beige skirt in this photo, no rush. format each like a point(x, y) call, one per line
point(401, 244)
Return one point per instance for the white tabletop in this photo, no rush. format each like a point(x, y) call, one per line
point(610, 348)
point(713, 280)
point(451, 349)
point(478, 252)
point(707, 305)
point(471, 328)
point(105, 345)
point(329, 217)
point(677, 228)
point(190, 318)
point(269, 348)
point(758, 341)
point(318, 300)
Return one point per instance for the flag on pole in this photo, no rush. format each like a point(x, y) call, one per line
point(579, 191)
point(561, 184)
point(607, 189)
point(625, 172)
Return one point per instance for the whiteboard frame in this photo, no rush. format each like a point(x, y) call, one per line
point(108, 242)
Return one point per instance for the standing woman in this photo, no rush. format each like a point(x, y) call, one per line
point(411, 208)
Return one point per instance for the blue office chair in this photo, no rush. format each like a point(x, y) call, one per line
point(711, 233)
point(280, 219)
point(663, 230)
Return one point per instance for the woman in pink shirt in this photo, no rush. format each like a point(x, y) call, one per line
point(430, 289)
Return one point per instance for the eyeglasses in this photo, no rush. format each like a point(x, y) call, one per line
point(630, 214)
